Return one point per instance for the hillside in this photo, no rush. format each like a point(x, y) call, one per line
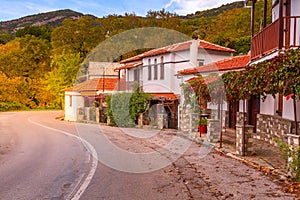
point(215, 11)
point(53, 19)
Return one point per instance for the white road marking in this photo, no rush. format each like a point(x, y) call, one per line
point(94, 158)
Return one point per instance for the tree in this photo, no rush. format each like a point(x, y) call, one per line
point(63, 75)
point(79, 36)
point(43, 32)
point(23, 63)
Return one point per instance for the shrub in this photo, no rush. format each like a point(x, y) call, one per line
point(10, 106)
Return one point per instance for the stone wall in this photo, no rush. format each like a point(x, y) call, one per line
point(239, 118)
point(270, 127)
point(87, 114)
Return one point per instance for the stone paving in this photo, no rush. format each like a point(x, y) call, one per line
point(264, 154)
point(198, 173)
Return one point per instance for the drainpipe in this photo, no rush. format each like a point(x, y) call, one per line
point(119, 80)
point(295, 113)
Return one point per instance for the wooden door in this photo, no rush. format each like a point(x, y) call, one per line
point(253, 110)
point(233, 109)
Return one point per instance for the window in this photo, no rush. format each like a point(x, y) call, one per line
point(155, 69)
point(149, 69)
point(71, 101)
point(136, 74)
point(200, 63)
point(162, 68)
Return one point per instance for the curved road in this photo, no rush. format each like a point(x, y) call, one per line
point(42, 158)
point(39, 158)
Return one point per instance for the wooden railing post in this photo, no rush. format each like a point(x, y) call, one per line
point(280, 31)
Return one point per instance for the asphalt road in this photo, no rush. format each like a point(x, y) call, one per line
point(38, 159)
point(44, 158)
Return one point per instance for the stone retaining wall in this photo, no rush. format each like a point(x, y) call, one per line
point(270, 127)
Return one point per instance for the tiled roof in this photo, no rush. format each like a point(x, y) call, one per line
point(96, 84)
point(207, 79)
point(129, 66)
point(167, 96)
point(178, 47)
point(234, 63)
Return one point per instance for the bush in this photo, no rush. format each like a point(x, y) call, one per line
point(118, 110)
point(10, 106)
point(124, 108)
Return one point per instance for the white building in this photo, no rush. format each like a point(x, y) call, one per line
point(101, 79)
point(282, 34)
point(157, 70)
point(210, 72)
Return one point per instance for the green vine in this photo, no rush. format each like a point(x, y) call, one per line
point(291, 155)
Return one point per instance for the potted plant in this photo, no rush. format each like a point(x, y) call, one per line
point(203, 125)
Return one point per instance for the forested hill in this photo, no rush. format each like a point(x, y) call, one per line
point(53, 19)
point(215, 11)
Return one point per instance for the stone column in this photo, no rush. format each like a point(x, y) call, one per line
point(97, 115)
point(193, 126)
point(213, 130)
point(240, 148)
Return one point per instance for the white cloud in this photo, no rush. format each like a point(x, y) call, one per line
point(183, 7)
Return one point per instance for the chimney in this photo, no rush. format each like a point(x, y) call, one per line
point(194, 51)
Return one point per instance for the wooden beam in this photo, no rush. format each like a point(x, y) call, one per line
point(265, 13)
point(280, 40)
point(252, 17)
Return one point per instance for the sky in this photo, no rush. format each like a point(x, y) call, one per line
point(13, 9)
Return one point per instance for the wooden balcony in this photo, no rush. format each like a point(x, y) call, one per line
point(283, 34)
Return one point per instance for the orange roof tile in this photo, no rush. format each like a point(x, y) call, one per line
point(129, 66)
point(234, 63)
point(178, 47)
point(96, 84)
point(207, 79)
point(168, 96)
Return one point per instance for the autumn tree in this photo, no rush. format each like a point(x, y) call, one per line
point(63, 75)
point(79, 36)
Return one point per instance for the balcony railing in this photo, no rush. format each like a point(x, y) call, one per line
point(273, 37)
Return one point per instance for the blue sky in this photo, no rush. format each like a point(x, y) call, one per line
point(13, 9)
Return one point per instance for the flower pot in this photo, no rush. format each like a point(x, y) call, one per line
point(203, 129)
